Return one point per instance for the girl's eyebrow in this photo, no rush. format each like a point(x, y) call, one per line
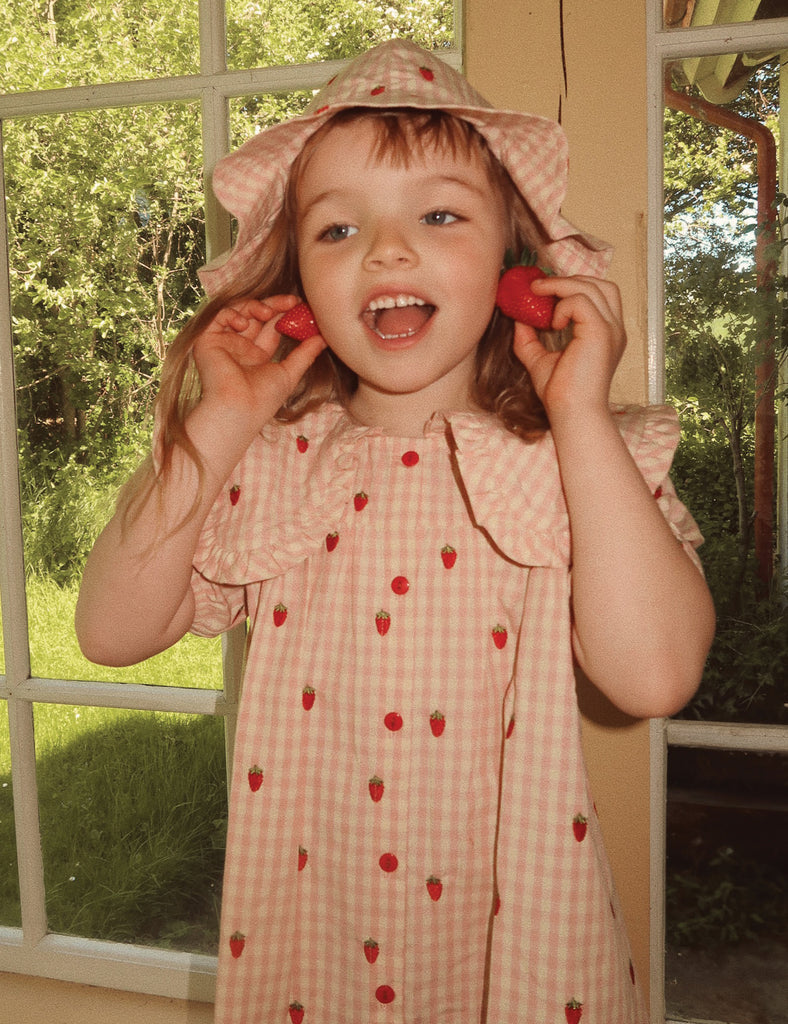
point(340, 193)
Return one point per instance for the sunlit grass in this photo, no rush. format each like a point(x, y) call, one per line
point(132, 804)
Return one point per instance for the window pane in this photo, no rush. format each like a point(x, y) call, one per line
point(727, 886)
point(722, 319)
point(106, 226)
point(9, 879)
point(84, 42)
point(133, 819)
point(696, 13)
point(299, 31)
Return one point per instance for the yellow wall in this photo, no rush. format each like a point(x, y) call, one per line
point(514, 58)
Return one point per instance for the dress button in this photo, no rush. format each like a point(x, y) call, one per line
point(388, 862)
point(410, 458)
point(384, 994)
point(400, 585)
point(393, 721)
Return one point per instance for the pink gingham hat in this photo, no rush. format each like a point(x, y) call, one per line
point(250, 182)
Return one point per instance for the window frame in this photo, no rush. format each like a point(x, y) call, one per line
point(665, 45)
point(31, 949)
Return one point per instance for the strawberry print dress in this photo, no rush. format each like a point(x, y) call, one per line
point(411, 837)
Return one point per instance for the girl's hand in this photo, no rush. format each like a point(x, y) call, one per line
point(579, 377)
point(234, 354)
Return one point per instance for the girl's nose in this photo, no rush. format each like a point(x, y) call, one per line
point(389, 248)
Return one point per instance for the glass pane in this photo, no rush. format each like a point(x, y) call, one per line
point(106, 227)
point(252, 114)
point(9, 878)
point(727, 887)
point(82, 42)
point(696, 13)
point(133, 818)
point(299, 31)
point(722, 322)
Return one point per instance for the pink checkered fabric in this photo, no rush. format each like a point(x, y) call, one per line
point(250, 182)
point(411, 833)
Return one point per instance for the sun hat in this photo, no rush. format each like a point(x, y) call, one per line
point(250, 182)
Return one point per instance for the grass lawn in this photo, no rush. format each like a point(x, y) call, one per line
point(132, 803)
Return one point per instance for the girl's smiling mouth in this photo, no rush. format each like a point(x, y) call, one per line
point(394, 317)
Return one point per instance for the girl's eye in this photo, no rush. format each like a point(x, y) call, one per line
point(437, 218)
point(338, 232)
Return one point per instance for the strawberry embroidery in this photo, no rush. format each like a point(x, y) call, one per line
point(235, 494)
point(410, 459)
point(510, 727)
point(449, 556)
point(382, 622)
point(388, 862)
point(332, 539)
point(308, 697)
point(393, 721)
point(573, 1011)
point(296, 1012)
point(376, 789)
point(427, 74)
point(360, 500)
point(658, 493)
point(280, 614)
point(371, 950)
point(302, 443)
point(434, 888)
point(303, 857)
point(437, 723)
point(500, 636)
point(255, 777)
point(579, 827)
point(237, 943)
point(377, 90)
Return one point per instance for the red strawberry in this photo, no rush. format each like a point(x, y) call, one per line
point(237, 943)
point(449, 556)
point(298, 323)
point(437, 723)
point(296, 1012)
point(573, 1011)
point(510, 727)
point(658, 493)
point(302, 443)
point(579, 827)
point(393, 721)
point(376, 788)
point(515, 297)
point(303, 856)
point(255, 776)
point(497, 905)
point(427, 74)
point(371, 950)
point(332, 539)
point(377, 90)
point(235, 494)
point(280, 614)
point(359, 501)
point(434, 888)
point(308, 697)
point(500, 636)
point(382, 622)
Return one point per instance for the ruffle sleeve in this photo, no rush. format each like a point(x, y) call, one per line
point(289, 490)
point(515, 492)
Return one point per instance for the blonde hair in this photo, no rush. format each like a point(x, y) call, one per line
point(502, 384)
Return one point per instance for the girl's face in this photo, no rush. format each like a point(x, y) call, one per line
point(400, 265)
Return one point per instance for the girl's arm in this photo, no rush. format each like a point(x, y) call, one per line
point(643, 616)
point(135, 599)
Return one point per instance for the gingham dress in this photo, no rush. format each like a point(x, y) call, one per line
point(411, 834)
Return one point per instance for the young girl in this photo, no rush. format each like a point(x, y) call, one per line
point(427, 516)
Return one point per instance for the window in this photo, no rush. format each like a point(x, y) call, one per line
point(113, 783)
point(720, 771)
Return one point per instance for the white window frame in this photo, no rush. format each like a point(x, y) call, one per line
point(665, 45)
point(31, 949)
